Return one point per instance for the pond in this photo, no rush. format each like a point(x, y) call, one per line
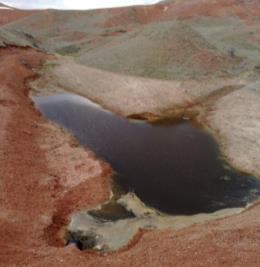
point(175, 167)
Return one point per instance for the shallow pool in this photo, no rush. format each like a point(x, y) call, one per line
point(175, 168)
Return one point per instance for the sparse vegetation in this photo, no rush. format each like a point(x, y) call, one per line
point(68, 50)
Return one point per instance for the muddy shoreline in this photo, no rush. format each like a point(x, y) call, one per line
point(168, 100)
point(44, 178)
point(193, 59)
point(105, 229)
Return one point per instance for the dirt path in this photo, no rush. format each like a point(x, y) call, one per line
point(45, 176)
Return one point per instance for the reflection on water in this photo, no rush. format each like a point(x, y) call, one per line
point(174, 168)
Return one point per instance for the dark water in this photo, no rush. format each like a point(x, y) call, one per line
point(174, 168)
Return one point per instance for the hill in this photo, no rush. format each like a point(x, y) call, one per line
point(170, 40)
point(192, 60)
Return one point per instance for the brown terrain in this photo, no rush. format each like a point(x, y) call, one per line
point(167, 10)
point(9, 15)
point(45, 176)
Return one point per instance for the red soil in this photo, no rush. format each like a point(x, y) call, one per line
point(7, 16)
point(184, 9)
point(188, 9)
point(37, 189)
point(37, 195)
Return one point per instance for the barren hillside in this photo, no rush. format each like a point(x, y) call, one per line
point(174, 60)
point(171, 40)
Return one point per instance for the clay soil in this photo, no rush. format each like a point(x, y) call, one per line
point(8, 16)
point(45, 177)
point(185, 9)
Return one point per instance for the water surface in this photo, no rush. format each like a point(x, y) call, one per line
point(175, 168)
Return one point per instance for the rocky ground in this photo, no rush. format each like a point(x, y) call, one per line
point(45, 176)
